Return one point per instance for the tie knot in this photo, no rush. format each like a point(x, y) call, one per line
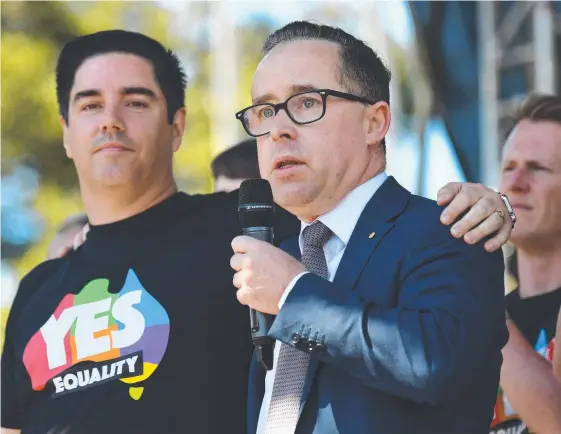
point(316, 235)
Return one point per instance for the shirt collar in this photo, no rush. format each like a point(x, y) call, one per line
point(343, 218)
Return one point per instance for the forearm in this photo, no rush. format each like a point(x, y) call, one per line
point(528, 383)
point(416, 353)
point(9, 431)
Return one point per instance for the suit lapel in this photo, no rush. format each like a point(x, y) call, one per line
point(378, 217)
point(374, 223)
point(292, 247)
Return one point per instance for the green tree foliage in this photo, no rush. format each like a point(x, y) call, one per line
point(250, 39)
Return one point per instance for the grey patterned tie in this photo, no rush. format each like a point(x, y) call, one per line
point(292, 364)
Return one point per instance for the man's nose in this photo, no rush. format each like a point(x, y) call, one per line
point(112, 121)
point(283, 127)
point(517, 180)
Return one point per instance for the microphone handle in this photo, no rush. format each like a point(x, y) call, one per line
point(259, 321)
point(262, 233)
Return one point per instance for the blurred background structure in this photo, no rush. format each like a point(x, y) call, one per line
point(459, 68)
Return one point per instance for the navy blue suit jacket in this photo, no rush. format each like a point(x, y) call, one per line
point(407, 338)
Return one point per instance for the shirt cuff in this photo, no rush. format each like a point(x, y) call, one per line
point(289, 288)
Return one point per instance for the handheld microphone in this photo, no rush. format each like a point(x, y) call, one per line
point(256, 212)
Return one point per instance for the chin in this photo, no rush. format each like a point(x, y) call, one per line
point(522, 237)
point(113, 176)
point(291, 196)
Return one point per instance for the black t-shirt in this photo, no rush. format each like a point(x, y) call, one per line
point(536, 317)
point(138, 331)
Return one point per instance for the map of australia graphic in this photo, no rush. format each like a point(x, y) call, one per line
point(125, 333)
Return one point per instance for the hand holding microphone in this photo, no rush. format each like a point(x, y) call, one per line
point(262, 271)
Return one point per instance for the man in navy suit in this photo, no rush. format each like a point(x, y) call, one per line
point(385, 322)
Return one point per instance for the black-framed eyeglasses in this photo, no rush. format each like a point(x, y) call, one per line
point(302, 108)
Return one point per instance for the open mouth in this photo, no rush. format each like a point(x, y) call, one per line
point(288, 163)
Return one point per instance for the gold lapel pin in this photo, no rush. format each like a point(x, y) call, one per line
point(372, 235)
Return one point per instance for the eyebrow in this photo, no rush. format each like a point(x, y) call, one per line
point(294, 89)
point(137, 90)
point(529, 164)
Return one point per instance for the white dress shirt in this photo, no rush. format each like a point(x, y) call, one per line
point(342, 221)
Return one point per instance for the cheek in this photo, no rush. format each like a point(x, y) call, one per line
point(322, 151)
point(81, 132)
point(552, 200)
point(503, 182)
point(264, 157)
point(149, 136)
point(76, 145)
point(341, 144)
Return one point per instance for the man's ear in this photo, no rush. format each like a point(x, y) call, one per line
point(377, 121)
point(179, 123)
point(64, 137)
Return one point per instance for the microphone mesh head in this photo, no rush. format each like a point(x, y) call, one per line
point(255, 203)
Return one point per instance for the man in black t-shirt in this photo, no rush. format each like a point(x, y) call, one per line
point(529, 398)
point(139, 330)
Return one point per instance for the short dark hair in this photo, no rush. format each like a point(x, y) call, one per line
point(363, 72)
point(540, 107)
point(237, 162)
point(167, 68)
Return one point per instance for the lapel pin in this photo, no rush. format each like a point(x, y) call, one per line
point(372, 235)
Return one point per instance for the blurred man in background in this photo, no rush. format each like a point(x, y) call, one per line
point(234, 165)
point(65, 235)
point(531, 176)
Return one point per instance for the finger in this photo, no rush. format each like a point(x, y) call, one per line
point(243, 295)
point(447, 193)
point(77, 241)
point(483, 209)
point(504, 208)
point(499, 240)
point(236, 261)
point(488, 227)
point(237, 280)
point(85, 231)
point(63, 251)
point(459, 205)
point(242, 243)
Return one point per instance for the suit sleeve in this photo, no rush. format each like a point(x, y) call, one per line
point(447, 323)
